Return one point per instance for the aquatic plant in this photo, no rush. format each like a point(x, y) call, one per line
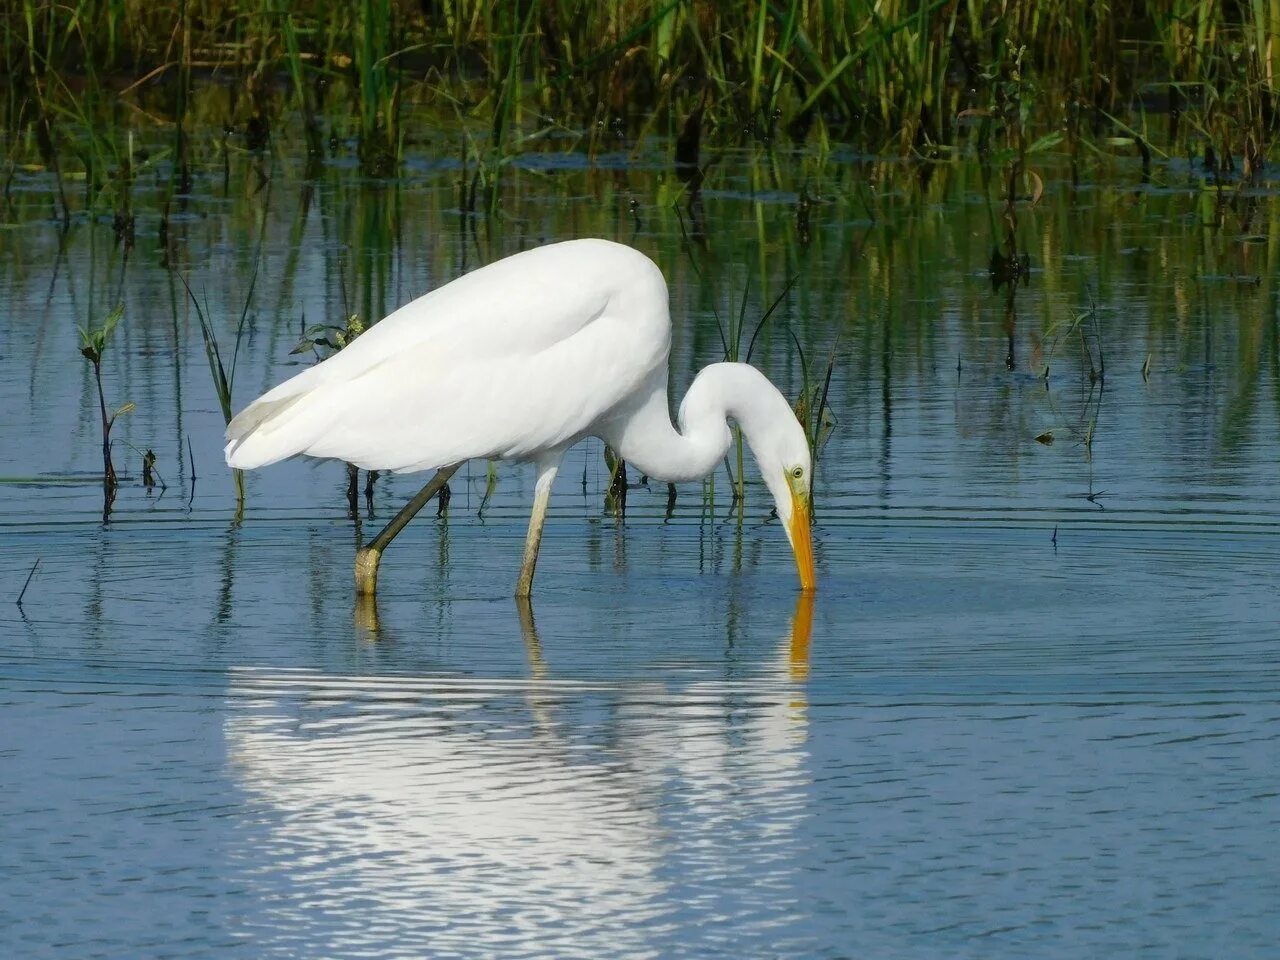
point(26, 583)
point(1087, 325)
point(324, 340)
point(379, 93)
point(811, 406)
point(222, 374)
point(615, 495)
point(93, 346)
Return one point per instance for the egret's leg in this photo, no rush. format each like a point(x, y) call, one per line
point(542, 496)
point(368, 557)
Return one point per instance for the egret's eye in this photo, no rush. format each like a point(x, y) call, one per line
point(797, 472)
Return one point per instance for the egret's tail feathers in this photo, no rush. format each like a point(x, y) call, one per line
point(268, 431)
point(257, 413)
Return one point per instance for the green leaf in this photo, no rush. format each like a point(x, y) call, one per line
point(1047, 142)
point(109, 324)
point(93, 343)
point(126, 408)
point(310, 343)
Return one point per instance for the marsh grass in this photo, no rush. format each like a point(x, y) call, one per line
point(812, 409)
point(222, 374)
point(378, 90)
point(922, 77)
point(1084, 325)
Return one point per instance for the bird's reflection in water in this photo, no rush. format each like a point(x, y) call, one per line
point(532, 644)
point(801, 637)
point(367, 622)
point(568, 814)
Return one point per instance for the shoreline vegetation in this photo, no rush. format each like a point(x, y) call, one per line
point(923, 79)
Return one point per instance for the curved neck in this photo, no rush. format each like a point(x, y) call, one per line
point(644, 436)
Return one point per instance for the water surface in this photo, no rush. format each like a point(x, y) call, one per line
point(1033, 711)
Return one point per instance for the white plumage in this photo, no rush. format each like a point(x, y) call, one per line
point(518, 361)
point(464, 371)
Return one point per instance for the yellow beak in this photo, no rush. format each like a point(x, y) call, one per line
point(801, 540)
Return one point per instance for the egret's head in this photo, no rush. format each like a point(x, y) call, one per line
point(777, 440)
point(783, 456)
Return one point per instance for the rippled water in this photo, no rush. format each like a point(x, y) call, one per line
point(1034, 710)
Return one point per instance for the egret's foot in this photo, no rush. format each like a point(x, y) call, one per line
point(524, 586)
point(367, 560)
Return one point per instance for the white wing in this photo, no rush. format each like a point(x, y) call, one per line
point(517, 357)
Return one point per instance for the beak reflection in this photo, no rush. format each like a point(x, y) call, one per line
point(801, 635)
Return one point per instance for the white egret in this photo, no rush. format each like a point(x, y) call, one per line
point(519, 360)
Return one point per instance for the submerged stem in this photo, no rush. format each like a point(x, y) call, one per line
point(108, 468)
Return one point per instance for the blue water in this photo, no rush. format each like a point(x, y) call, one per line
point(1034, 709)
